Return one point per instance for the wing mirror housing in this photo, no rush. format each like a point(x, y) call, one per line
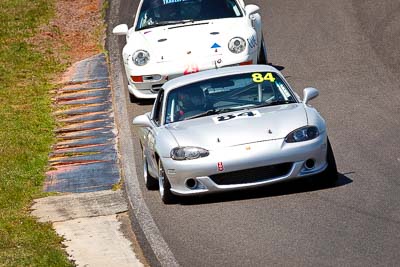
point(121, 29)
point(309, 93)
point(142, 121)
point(251, 9)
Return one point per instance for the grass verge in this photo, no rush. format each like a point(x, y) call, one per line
point(26, 134)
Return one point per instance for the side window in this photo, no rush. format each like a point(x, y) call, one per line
point(157, 115)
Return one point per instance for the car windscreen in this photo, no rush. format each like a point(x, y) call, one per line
point(226, 94)
point(167, 12)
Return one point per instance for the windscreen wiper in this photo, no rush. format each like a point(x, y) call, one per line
point(167, 22)
point(275, 103)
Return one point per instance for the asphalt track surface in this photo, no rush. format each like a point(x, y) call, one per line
point(350, 51)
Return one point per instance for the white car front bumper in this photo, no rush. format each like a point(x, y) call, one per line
point(155, 75)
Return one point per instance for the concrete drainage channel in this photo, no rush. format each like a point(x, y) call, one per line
point(149, 236)
point(84, 165)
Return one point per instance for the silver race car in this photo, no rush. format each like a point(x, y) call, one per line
point(232, 128)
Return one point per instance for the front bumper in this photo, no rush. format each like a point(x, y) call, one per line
point(155, 75)
point(246, 158)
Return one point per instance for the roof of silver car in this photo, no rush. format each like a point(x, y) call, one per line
point(208, 74)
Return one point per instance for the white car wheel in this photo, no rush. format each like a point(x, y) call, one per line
point(132, 98)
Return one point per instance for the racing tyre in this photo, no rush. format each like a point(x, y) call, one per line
point(132, 98)
point(262, 56)
point(150, 182)
point(164, 186)
point(330, 175)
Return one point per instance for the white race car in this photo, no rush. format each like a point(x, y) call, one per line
point(171, 38)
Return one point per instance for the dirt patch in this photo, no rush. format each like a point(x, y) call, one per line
point(75, 33)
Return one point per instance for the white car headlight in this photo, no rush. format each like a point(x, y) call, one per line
point(141, 57)
point(302, 134)
point(237, 45)
point(188, 153)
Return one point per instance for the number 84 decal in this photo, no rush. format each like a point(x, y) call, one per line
point(238, 115)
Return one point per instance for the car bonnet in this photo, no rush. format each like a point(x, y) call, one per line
point(239, 127)
point(190, 41)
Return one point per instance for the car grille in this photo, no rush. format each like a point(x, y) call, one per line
point(252, 175)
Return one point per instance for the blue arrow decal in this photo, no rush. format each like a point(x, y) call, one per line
point(215, 45)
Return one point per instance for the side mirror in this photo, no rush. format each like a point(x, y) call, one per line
point(121, 29)
point(251, 9)
point(142, 121)
point(309, 93)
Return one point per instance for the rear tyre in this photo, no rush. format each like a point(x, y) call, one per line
point(164, 186)
point(150, 182)
point(330, 175)
point(262, 55)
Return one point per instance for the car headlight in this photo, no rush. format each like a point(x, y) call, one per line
point(188, 153)
point(237, 45)
point(302, 134)
point(141, 57)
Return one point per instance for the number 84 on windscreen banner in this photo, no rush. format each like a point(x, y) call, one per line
point(260, 77)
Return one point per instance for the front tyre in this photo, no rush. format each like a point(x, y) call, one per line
point(330, 175)
point(164, 186)
point(262, 55)
point(132, 98)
